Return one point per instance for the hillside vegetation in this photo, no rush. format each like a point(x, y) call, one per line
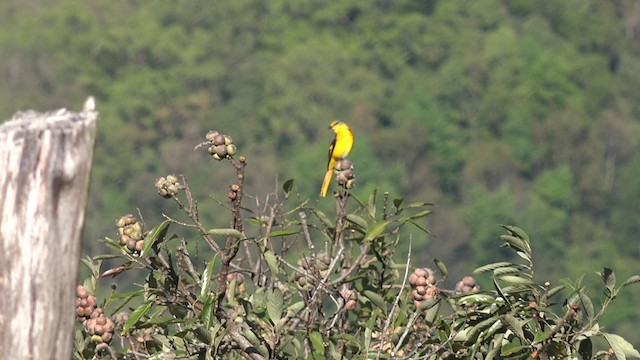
point(499, 112)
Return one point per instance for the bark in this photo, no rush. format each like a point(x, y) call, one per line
point(45, 159)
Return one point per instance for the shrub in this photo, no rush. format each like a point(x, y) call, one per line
point(289, 281)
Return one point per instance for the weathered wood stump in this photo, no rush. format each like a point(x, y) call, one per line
point(45, 160)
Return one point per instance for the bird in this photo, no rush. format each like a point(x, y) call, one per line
point(339, 148)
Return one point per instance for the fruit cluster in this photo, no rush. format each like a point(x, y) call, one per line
point(221, 146)
point(423, 285)
point(344, 173)
point(168, 187)
point(322, 262)
point(95, 322)
point(130, 233)
point(467, 284)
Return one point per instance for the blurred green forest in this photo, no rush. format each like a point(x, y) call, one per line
point(515, 111)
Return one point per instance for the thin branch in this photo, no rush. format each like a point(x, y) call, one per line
point(396, 302)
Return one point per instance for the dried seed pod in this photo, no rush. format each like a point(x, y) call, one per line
point(131, 245)
point(218, 140)
point(221, 150)
point(231, 149)
point(344, 164)
point(351, 183)
point(160, 182)
point(172, 179)
point(341, 179)
point(211, 135)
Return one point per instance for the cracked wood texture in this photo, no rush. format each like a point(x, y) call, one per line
point(45, 159)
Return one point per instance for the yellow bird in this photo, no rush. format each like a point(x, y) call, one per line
point(339, 149)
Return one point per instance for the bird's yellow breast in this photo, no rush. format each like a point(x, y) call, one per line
point(343, 142)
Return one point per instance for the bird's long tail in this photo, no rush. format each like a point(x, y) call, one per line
point(327, 178)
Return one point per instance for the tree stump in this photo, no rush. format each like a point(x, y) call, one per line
point(45, 159)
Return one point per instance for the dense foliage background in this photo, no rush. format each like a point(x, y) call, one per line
point(517, 112)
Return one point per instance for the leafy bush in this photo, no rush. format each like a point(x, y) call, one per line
point(258, 295)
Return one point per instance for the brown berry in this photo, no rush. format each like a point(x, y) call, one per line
point(351, 304)
point(413, 278)
point(211, 135)
point(420, 272)
point(218, 140)
point(468, 281)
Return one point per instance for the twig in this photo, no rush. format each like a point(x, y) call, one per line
point(395, 303)
point(232, 245)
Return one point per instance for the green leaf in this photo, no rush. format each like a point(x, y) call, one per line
point(359, 221)
point(512, 348)
point(275, 305)
point(587, 305)
point(316, 341)
point(272, 261)
point(127, 294)
point(323, 218)
point(621, 347)
point(540, 337)
point(202, 334)
point(420, 214)
point(427, 304)
point(226, 232)
point(368, 333)
point(632, 280)
point(206, 315)
point(516, 231)
point(158, 233)
point(139, 312)
point(206, 277)
point(492, 266)
point(287, 186)
point(609, 279)
point(442, 267)
point(514, 324)
point(432, 312)
point(397, 202)
point(259, 299)
point(295, 308)
point(475, 298)
point(376, 230)
point(516, 280)
point(475, 331)
point(283, 232)
point(586, 349)
point(555, 290)
point(371, 204)
point(103, 257)
point(375, 299)
point(255, 341)
point(93, 266)
point(506, 270)
point(419, 204)
point(515, 243)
